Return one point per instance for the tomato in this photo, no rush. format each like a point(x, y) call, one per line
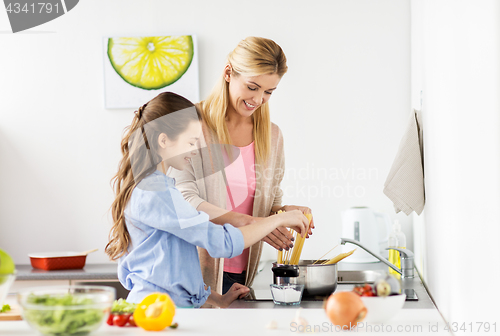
point(368, 291)
point(358, 290)
point(365, 290)
point(121, 319)
point(110, 319)
point(131, 321)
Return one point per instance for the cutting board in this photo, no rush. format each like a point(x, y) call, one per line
point(13, 315)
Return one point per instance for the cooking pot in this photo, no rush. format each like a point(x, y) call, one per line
point(317, 279)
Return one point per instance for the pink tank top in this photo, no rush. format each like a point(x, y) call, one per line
point(240, 187)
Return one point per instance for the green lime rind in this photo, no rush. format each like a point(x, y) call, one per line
point(180, 71)
point(7, 266)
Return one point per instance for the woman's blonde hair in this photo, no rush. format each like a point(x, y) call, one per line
point(139, 147)
point(254, 56)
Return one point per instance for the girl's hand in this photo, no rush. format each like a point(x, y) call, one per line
point(280, 239)
point(294, 219)
point(237, 291)
point(304, 210)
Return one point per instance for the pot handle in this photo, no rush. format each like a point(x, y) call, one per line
point(286, 271)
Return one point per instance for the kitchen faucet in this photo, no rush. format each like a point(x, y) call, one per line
point(407, 258)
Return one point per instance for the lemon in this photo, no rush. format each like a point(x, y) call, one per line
point(151, 62)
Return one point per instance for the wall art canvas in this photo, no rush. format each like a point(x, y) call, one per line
point(136, 69)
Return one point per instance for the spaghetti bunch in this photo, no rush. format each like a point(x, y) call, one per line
point(292, 257)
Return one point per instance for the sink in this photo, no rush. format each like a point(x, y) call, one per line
point(359, 277)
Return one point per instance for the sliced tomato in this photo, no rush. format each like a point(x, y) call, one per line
point(131, 321)
point(121, 319)
point(368, 290)
point(110, 319)
point(358, 290)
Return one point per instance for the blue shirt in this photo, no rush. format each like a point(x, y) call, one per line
point(165, 230)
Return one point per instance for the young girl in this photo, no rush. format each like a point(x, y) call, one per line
point(155, 231)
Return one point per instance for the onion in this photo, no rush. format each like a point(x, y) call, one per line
point(345, 309)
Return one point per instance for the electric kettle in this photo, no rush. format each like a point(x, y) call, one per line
point(368, 227)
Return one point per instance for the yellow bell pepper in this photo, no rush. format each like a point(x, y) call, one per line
point(155, 312)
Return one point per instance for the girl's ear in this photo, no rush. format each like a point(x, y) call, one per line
point(163, 141)
point(227, 72)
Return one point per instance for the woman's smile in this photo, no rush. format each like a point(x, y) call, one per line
point(249, 106)
point(256, 91)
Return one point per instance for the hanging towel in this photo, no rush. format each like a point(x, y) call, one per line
point(405, 183)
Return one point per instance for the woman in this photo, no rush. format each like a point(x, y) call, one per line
point(240, 184)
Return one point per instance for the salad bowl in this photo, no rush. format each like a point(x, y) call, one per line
point(66, 310)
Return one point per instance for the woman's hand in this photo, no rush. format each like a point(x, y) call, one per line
point(294, 219)
point(237, 291)
point(304, 210)
point(280, 239)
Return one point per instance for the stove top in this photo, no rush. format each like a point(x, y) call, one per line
point(265, 295)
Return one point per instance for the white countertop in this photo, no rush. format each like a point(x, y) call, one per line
point(253, 322)
point(246, 320)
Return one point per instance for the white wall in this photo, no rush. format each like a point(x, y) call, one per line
point(457, 66)
point(342, 106)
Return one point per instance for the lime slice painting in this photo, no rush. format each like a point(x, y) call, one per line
point(139, 68)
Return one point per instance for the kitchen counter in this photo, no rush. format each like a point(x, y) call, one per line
point(417, 318)
point(254, 321)
point(89, 272)
point(265, 277)
point(108, 272)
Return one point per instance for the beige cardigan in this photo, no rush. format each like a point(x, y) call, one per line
point(203, 180)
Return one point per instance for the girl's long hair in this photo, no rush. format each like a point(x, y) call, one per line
point(254, 56)
point(139, 147)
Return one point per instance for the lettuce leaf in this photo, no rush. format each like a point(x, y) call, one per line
point(121, 306)
point(66, 318)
